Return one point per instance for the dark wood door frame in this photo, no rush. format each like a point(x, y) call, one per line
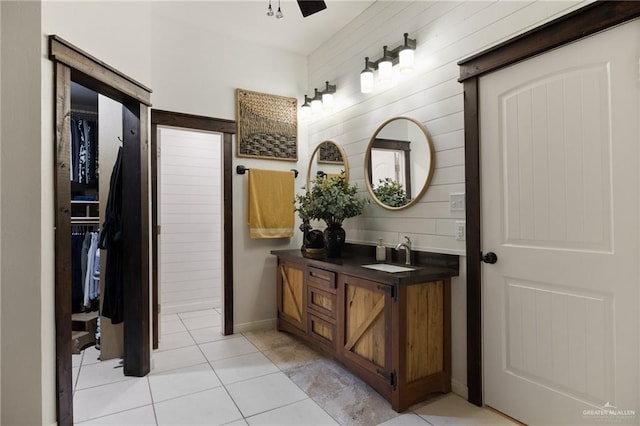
point(72, 64)
point(228, 129)
point(581, 23)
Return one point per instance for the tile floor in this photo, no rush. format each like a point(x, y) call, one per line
point(255, 378)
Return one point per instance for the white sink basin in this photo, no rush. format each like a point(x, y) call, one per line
point(385, 267)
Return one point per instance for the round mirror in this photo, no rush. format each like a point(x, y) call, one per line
point(399, 163)
point(328, 159)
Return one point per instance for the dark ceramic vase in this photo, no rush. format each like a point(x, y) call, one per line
point(334, 237)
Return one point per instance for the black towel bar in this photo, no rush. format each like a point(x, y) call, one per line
point(242, 170)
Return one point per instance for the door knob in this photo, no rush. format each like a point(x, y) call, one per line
point(490, 258)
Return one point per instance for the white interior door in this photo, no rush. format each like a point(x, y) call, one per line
point(191, 211)
point(559, 160)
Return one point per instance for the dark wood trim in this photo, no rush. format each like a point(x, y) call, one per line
point(135, 234)
point(228, 129)
point(474, 291)
point(391, 144)
point(227, 310)
point(583, 22)
point(64, 52)
point(72, 64)
point(64, 386)
point(580, 23)
point(190, 121)
point(155, 300)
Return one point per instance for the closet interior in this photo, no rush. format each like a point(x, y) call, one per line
point(96, 135)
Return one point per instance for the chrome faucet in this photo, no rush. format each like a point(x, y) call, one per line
point(407, 248)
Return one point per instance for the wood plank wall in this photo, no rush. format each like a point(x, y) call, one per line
point(445, 32)
point(191, 220)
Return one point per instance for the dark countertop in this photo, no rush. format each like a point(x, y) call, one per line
point(431, 267)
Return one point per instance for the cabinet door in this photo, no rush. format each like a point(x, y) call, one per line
point(365, 328)
point(291, 294)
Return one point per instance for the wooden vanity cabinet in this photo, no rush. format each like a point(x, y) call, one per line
point(291, 294)
point(394, 336)
point(365, 334)
point(321, 307)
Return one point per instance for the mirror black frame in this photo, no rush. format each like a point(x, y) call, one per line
point(377, 142)
point(345, 162)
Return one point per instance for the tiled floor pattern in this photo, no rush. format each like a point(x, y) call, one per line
point(256, 378)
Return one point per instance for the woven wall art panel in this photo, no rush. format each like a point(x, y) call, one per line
point(267, 126)
point(329, 153)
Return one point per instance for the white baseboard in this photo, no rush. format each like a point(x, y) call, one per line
point(460, 389)
point(254, 325)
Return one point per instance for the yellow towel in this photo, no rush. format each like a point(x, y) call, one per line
point(271, 195)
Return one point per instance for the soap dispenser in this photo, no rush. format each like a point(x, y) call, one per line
point(381, 251)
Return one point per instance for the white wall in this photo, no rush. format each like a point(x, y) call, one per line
point(22, 310)
point(117, 33)
point(446, 32)
point(196, 70)
point(0, 214)
point(190, 215)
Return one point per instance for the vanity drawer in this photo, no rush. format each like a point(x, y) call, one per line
point(321, 278)
point(321, 301)
point(322, 331)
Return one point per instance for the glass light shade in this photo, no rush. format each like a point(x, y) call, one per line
point(327, 101)
point(385, 72)
point(316, 106)
point(366, 81)
point(305, 111)
point(406, 61)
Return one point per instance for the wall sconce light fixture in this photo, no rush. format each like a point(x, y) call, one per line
point(316, 103)
point(305, 109)
point(327, 97)
point(402, 55)
point(322, 101)
point(405, 56)
point(366, 77)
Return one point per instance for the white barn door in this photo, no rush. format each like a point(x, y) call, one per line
point(560, 192)
point(190, 213)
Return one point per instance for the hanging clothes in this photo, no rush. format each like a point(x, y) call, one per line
point(84, 151)
point(85, 274)
point(111, 240)
point(90, 282)
point(77, 240)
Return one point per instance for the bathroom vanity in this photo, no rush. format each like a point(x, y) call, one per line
point(393, 330)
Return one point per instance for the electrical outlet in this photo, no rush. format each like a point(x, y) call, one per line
point(456, 202)
point(461, 233)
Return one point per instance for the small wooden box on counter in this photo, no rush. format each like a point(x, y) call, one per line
point(393, 330)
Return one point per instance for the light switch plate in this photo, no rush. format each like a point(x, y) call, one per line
point(456, 202)
point(461, 232)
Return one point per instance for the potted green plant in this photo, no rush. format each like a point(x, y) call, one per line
point(390, 193)
point(332, 200)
